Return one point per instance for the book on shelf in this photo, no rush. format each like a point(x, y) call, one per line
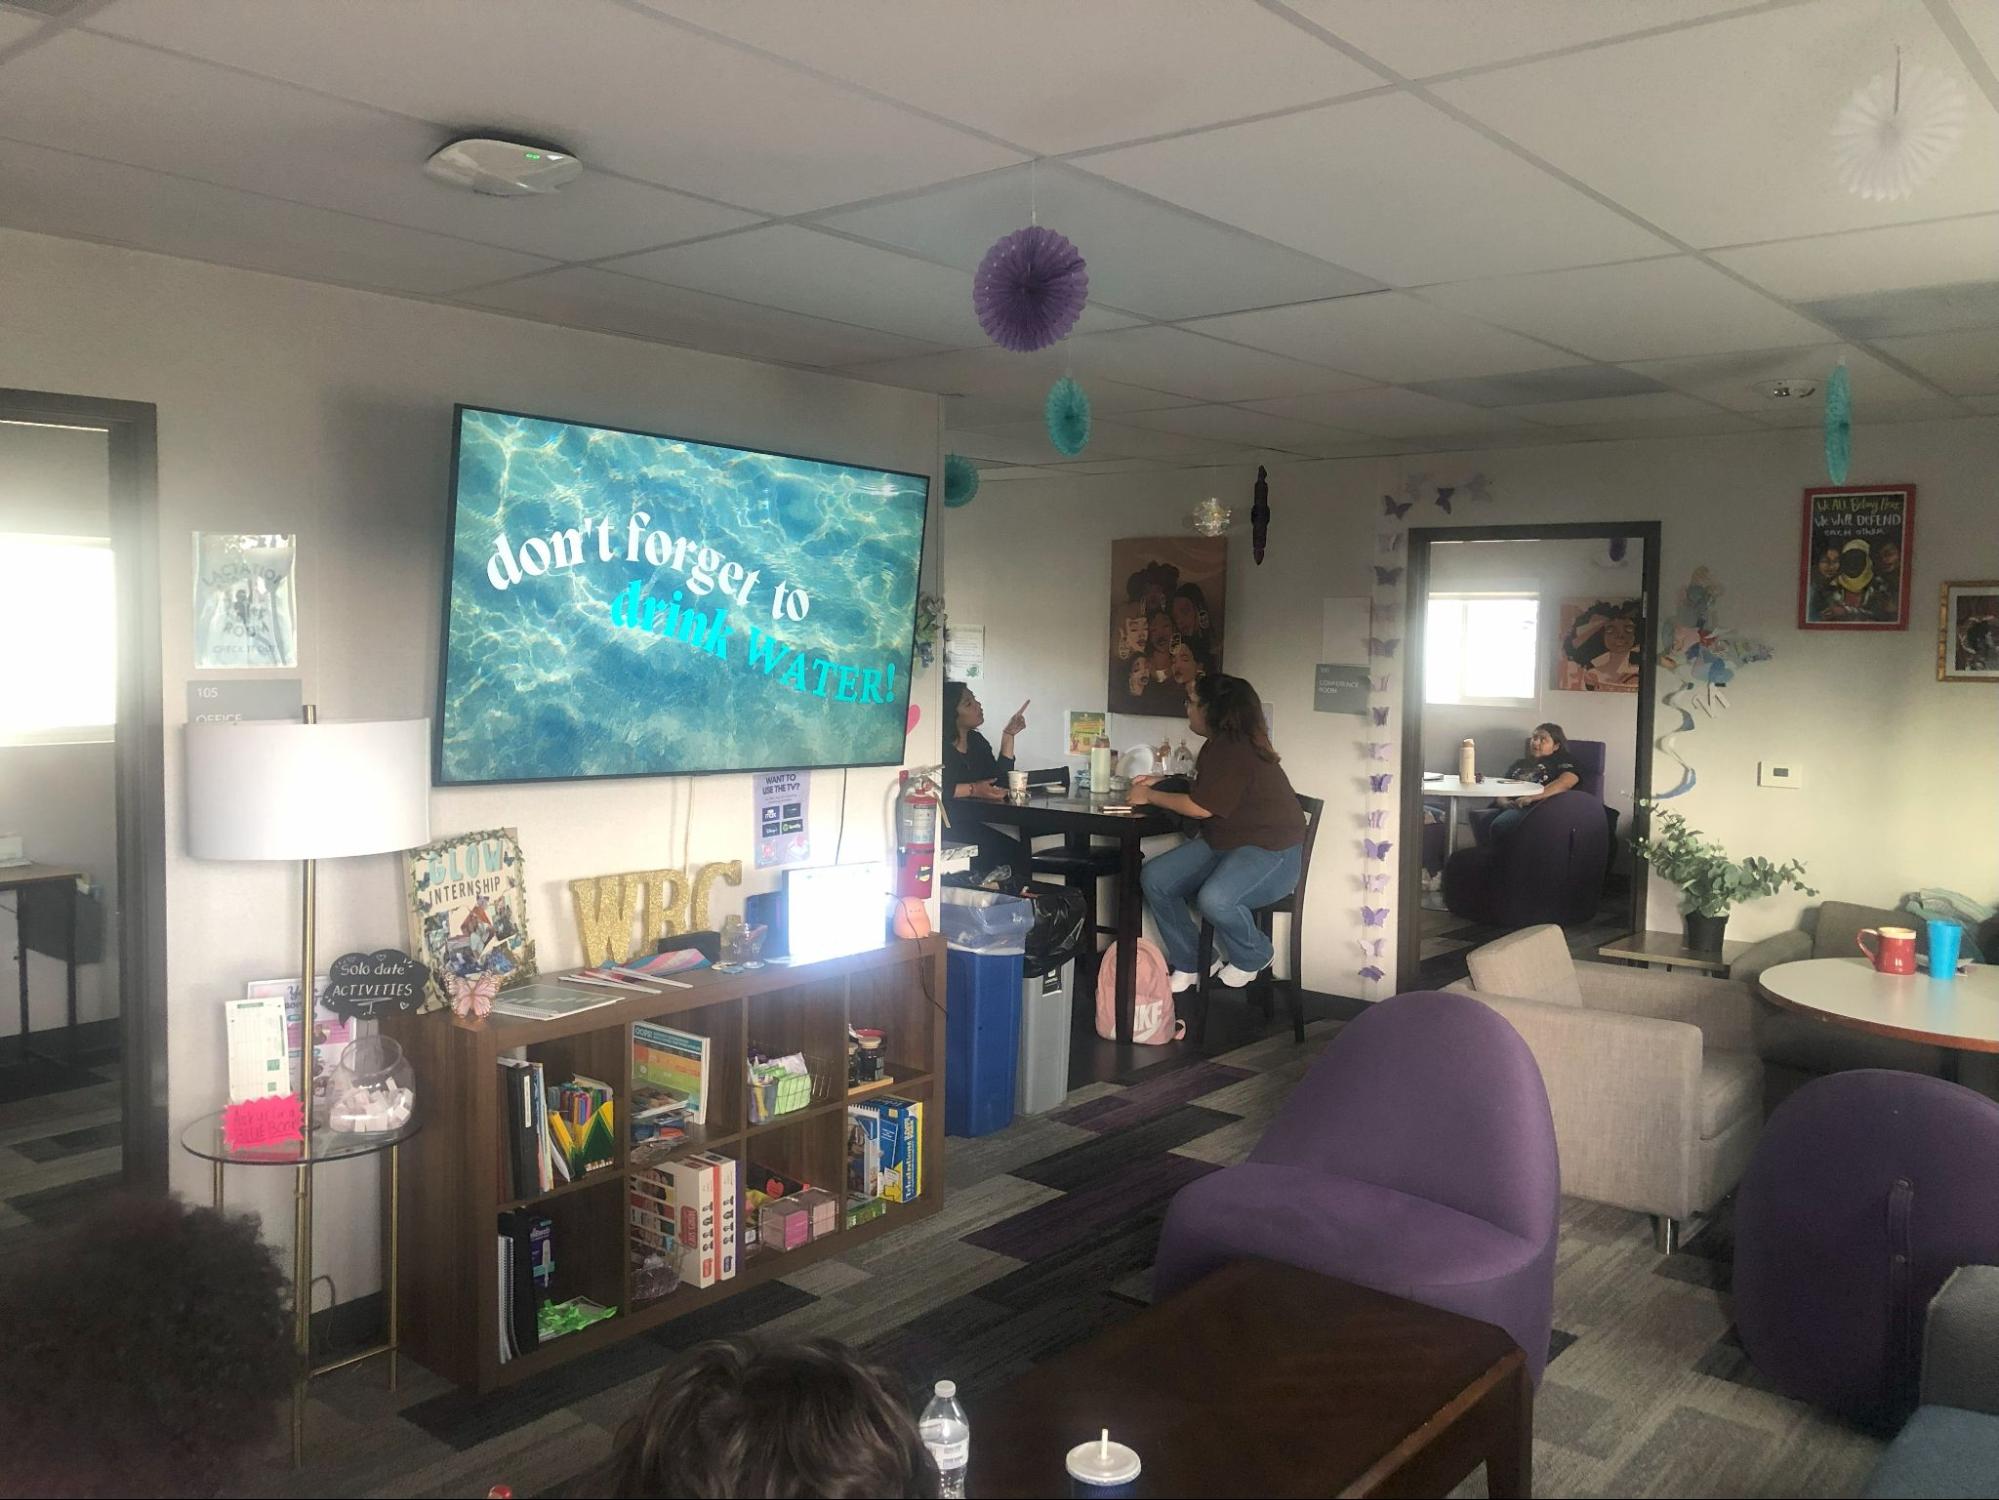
point(674, 1062)
point(658, 965)
point(720, 1193)
point(885, 1149)
point(519, 1306)
point(554, 1135)
point(694, 1221)
point(864, 1151)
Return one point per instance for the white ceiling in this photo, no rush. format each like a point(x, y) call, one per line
point(1313, 227)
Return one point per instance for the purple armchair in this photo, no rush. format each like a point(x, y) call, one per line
point(1549, 869)
point(1869, 1188)
point(1417, 1157)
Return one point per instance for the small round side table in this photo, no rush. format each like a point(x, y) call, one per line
point(204, 1138)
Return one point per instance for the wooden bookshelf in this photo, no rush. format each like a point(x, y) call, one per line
point(454, 1173)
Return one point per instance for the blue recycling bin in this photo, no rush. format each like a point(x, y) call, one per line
point(981, 1040)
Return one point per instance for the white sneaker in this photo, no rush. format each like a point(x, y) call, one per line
point(1215, 968)
point(1236, 978)
point(1182, 980)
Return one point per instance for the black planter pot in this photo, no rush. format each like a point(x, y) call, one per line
point(1704, 933)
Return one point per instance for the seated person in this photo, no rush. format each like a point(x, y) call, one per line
point(1248, 852)
point(734, 1417)
point(1548, 762)
point(145, 1352)
point(972, 773)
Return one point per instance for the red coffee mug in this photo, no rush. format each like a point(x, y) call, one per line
point(1897, 951)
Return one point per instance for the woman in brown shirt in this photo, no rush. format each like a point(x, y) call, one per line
point(1248, 851)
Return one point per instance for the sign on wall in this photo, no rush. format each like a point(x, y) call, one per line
point(782, 800)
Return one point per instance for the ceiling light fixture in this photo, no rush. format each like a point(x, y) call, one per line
point(504, 168)
point(1897, 131)
point(1793, 388)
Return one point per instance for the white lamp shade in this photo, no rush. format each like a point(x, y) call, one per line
point(286, 790)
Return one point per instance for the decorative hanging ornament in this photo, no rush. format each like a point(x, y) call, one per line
point(961, 480)
point(1838, 425)
point(1898, 130)
point(1259, 515)
point(1030, 289)
point(1211, 517)
point(1067, 413)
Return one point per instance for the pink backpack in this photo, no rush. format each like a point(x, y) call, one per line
point(1152, 1022)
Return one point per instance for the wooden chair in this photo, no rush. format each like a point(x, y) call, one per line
point(1294, 906)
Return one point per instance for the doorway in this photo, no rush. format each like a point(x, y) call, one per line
point(82, 830)
point(1509, 629)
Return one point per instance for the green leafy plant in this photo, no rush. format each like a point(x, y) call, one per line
point(1710, 882)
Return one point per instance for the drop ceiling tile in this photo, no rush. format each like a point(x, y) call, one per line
point(1001, 375)
point(1050, 75)
point(1389, 187)
point(1730, 379)
point(604, 300)
point(51, 192)
point(1965, 363)
point(1120, 466)
point(1389, 411)
point(1654, 406)
point(1942, 253)
point(1650, 309)
point(1981, 23)
point(1985, 406)
point(1027, 443)
point(1186, 364)
point(1876, 414)
point(1708, 424)
point(1525, 387)
point(1235, 424)
point(803, 271)
point(145, 108)
point(979, 411)
point(625, 90)
point(1387, 337)
point(1419, 38)
point(1213, 268)
point(1012, 472)
point(1720, 133)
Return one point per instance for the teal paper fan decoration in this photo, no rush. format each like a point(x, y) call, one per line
point(961, 480)
point(1068, 416)
point(1838, 425)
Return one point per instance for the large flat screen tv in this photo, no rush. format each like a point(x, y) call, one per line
point(624, 604)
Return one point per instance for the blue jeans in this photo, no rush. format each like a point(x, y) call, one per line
point(1227, 887)
point(1504, 822)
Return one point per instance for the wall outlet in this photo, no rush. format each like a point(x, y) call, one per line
point(1779, 773)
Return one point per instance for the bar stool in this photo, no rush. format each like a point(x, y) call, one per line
point(1294, 906)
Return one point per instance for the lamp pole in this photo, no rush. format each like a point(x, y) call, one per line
point(302, 1174)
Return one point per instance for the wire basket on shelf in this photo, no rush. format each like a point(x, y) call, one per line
point(806, 1079)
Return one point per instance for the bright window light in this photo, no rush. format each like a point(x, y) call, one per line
point(58, 640)
point(1480, 648)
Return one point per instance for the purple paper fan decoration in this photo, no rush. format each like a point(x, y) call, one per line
point(1371, 971)
point(1381, 781)
point(1030, 289)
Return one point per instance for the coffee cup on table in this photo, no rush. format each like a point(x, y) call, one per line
point(1016, 781)
point(1894, 951)
point(1102, 1468)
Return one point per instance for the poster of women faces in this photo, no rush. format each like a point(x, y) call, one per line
point(1596, 645)
point(1167, 598)
point(245, 600)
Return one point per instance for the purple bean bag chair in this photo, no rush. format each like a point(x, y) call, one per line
point(1867, 1190)
point(1550, 868)
point(1417, 1157)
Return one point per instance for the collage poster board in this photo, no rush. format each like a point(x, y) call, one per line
point(468, 911)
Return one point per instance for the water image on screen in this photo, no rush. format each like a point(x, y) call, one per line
point(627, 605)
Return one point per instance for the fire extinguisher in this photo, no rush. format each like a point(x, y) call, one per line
point(915, 834)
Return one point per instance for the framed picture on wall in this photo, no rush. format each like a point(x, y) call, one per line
point(1596, 645)
point(1167, 597)
point(1968, 632)
point(1857, 562)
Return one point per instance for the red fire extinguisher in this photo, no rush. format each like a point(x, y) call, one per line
point(915, 834)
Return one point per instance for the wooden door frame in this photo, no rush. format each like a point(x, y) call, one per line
point(131, 429)
point(1409, 922)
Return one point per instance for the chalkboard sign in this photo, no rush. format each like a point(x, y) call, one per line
point(361, 986)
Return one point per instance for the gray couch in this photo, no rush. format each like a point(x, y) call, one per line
point(1653, 1077)
point(1951, 1445)
point(1796, 1049)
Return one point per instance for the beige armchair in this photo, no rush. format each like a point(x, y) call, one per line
point(1654, 1080)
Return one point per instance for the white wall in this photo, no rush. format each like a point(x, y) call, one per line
point(1901, 772)
point(286, 406)
point(62, 799)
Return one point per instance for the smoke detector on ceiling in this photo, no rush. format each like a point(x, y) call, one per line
point(1796, 388)
point(504, 168)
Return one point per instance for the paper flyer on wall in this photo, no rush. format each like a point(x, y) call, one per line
point(783, 801)
point(1084, 728)
point(964, 652)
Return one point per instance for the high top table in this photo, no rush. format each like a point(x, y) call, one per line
point(26, 881)
point(1960, 1015)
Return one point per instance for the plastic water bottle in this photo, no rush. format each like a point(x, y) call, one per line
point(948, 1436)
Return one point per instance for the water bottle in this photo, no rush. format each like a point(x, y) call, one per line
point(948, 1436)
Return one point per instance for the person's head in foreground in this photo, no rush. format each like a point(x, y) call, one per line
point(143, 1351)
point(1227, 708)
point(735, 1417)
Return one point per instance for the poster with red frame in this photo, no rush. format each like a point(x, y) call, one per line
point(1858, 559)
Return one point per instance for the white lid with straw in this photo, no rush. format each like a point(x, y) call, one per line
point(1103, 1462)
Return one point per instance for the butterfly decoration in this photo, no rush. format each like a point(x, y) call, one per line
point(1380, 714)
point(1378, 819)
point(1444, 493)
point(1373, 916)
point(1378, 646)
point(1413, 487)
point(1378, 749)
point(1387, 577)
point(472, 998)
point(1376, 880)
point(1378, 684)
point(1390, 508)
point(1478, 487)
point(1371, 971)
point(1376, 848)
point(1380, 781)
point(1389, 541)
point(1374, 947)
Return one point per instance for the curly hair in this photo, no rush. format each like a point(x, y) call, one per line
point(1234, 713)
point(736, 1417)
point(146, 1351)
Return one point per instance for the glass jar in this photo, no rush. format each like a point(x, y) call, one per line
point(373, 1087)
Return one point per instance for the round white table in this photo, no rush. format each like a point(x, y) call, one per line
point(1961, 1014)
point(1457, 791)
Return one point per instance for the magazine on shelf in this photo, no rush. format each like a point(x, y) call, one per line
point(674, 1061)
point(548, 1000)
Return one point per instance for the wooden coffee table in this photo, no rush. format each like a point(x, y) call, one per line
point(1263, 1379)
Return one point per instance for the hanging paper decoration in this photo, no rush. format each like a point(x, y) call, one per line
point(961, 480)
point(1030, 289)
point(1838, 424)
point(1897, 131)
point(1259, 515)
point(1211, 517)
point(1704, 655)
point(1372, 972)
point(1067, 413)
point(1374, 881)
point(1381, 781)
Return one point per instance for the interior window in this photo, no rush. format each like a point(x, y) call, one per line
point(1480, 648)
point(58, 623)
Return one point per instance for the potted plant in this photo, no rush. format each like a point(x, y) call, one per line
point(1710, 882)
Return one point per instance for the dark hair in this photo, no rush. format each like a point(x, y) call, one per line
point(954, 694)
point(146, 1351)
point(1554, 732)
point(1234, 712)
point(1574, 649)
point(735, 1417)
point(1191, 592)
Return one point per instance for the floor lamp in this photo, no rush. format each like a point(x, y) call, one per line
point(306, 791)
